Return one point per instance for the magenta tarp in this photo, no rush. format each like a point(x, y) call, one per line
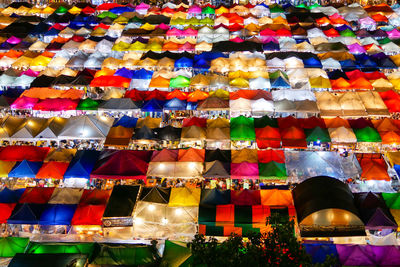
point(393, 33)
point(174, 32)
point(13, 40)
point(367, 255)
point(56, 104)
point(163, 26)
point(244, 170)
point(30, 73)
point(142, 6)
point(268, 39)
point(194, 9)
point(24, 103)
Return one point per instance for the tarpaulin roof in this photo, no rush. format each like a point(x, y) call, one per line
point(26, 213)
point(52, 169)
point(184, 197)
point(82, 164)
point(122, 194)
point(121, 164)
point(318, 195)
point(20, 153)
point(12, 245)
point(57, 214)
point(155, 194)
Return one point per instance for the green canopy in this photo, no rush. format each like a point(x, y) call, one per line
point(124, 254)
point(242, 128)
point(61, 10)
point(313, 6)
point(136, 19)
point(180, 81)
point(347, 33)
point(273, 170)
point(276, 74)
point(176, 254)
point(367, 134)
point(107, 14)
point(302, 5)
point(317, 134)
point(208, 10)
point(58, 248)
point(88, 104)
point(9, 246)
point(386, 40)
point(392, 200)
point(265, 121)
point(275, 8)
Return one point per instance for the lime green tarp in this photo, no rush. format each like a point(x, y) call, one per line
point(9, 246)
point(127, 255)
point(242, 128)
point(367, 134)
point(272, 170)
point(180, 81)
point(176, 254)
point(56, 248)
point(88, 104)
point(107, 14)
point(317, 134)
point(392, 200)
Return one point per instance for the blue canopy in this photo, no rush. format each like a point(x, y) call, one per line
point(318, 252)
point(25, 169)
point(10, 196)
point(209, 56)
point(126, 121)
point(175, 104)
point(40, 29)
point(368, 63)
point(348, 63)
point(279, 83)
point(271, 46)
point(201, 64)
point(121, 9)
point(26, 213)
point(312, 63)
point(142, 74)
point(52, 32)
point(124, 72)
point(57, 214)
point(183, 62)
point(82, 164)
point(153, 105)
point(191, 105)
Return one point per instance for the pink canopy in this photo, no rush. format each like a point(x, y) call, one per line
point(163, 26)
point(142, 6)
point(267, 39)
point(56, 104)
point(189, 32)
point(174, 32)
point(356, 49)
point(13, 40)
point(30, 73)
point(24, 103)
point(194, 9)
point(267, 32)
point(393, 33)
point(244, 170)
point(187, 47)
point(237, 39)
point(367, 21)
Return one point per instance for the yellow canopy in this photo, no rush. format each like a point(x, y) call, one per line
point(184, 197)
point(5, 167)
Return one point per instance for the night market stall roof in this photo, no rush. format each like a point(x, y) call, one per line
point(325, 207)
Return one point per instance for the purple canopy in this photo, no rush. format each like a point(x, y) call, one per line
point(356, 49)
point(367, 21)
point(368, 255)
point(267, 39)
point(244, 170)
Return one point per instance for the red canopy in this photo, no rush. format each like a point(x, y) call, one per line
point(122, 164)
point(95, 197)
point(56, 104)
point(293, 137)
point(20, 153)
point(196, 121)
point(110, 81)
point(312, 122)
point(288, 122)
point(245, 197)
point(88, 215)
point(5, 211)
point(268, 137)
point(36, 195)
point(265, 156)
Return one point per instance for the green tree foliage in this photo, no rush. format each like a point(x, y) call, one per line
point(278, 247)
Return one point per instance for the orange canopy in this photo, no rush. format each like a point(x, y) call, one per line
point(197, 96)
point(191, 155)
point(374, 169)
point(385, 125)
point(390, 137)
point(275, 197)
point(159, 82)
point(45, 93)
point(52, 169)
point(336, 123)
